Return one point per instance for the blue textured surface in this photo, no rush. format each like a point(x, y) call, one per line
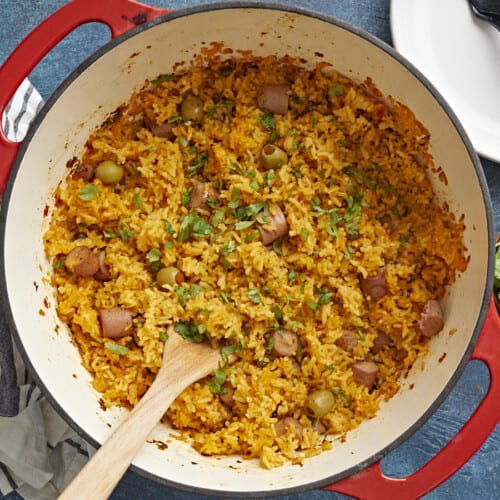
point(480, 477)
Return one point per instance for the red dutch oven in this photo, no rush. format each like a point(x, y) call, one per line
point(146, 42)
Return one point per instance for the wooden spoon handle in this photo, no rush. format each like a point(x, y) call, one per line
point(101, 474)
point(184, 364)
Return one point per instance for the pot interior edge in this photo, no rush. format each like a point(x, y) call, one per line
point(57, 149)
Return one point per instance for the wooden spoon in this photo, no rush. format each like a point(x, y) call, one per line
point(183, 363)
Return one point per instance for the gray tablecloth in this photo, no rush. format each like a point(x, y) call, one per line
point(39, 453)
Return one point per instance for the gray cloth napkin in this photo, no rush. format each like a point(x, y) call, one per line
point(39, 452)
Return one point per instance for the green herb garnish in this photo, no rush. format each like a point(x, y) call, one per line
point(153, 258)
point(191, 331)
point(198, 163)
point(336, 90)
point(216, 383)
point(341, 396)
point(253, 295)
point(88, 192)
point(193, 226)
point(163, 78)
point(137, 201)
point(116, 348)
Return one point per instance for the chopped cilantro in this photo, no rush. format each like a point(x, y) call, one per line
point(163, 78)
point(226, 264)
point(251, 236)
point(116, 348)
point(313, 304)
point(235, 199)
point(195, 289)
point(88, 192)
point(153, 257)
point(225, 297)
point(124, 231)
point(191, 331)
point(249, 211)
point(404, 239)
point(324, 296)
point(137, 201)
point(182, 294)
point(192, 225)
point(341, 396)
point(198, 163)
point(244, 224)
point(336, 90)
point(217, 217)
point(186, 198)
point(269, 123)
point(229, 247)
point(167, 227)
point(216, 383)
point(253, 295)
point(348, 253)
point(229, 350)
point(276, 245)
point(58, 264)
point(278, 313)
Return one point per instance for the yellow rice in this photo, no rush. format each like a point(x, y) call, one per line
point(346, 144)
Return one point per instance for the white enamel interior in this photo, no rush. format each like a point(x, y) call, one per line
point(107, 83)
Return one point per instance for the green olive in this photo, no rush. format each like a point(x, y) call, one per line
point(108, 172)
point(192, 108)
point(169, 276)
point(320, 402)
point(273, 157)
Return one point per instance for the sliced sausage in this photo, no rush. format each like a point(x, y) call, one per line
point(84, 171)
point(431, 319)
point(116, 322)
point(284, 342)
point(227, 395)
point(201, 193)
point(284, 423)
point(102, 273)
point(365, 373)
point(82, 262)
point(274, 98)
point(273, 225)
point(375, 286)
point(165, 130)
point(387, 221)
point(349, 339)
point(380, 342)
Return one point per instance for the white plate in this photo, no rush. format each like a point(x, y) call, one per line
point(460, 55)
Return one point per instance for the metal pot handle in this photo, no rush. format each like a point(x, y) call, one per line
point(120, 15)
point(372, 483)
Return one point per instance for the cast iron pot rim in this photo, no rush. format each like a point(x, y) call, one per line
point(38, 121)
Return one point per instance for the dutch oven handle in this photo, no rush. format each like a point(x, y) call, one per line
point(373, 483)
point(123, 15)
point(119, 15)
